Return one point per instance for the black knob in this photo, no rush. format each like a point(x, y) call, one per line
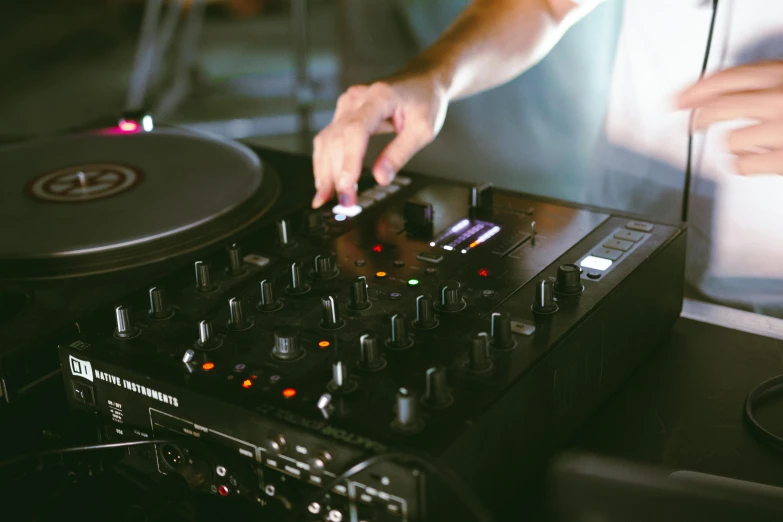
point(235, 261)
point(478, 354)
point(296, 285)
point(545, 297)
point(159, 308)
point(437, 395)
point(419, 218)
point(331, 313)
point(207, 340)
point(324, 266)
point(237, 320)
point(315, 223)
point(268, 303)
point(425, 313)
point(480, 200)
point(203, 278)
point(360, 299)
point(569, 280)
point(450, 298)
point(341, 382)
point(406, 415)
point(286, 346)
point(370, 353)
point(125, 329)
point(399, 338)
point(500, 331)
point(284, 237)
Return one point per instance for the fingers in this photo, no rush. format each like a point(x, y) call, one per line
point(751, 77)
point(756, 138)
point(400, 151)
point(768, 163)
point(763, 106)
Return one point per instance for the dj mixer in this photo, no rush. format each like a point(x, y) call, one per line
point(273, 347)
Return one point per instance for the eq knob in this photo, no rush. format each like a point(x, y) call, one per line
point(370, 354)
point(450, 298)
point(237, 319)
point(406, 415)
point(125, 329)
point(545, 298)
point(203, 278)
point(284, 237)
point(286, 347)
point(268, 303)
point(296, 285)
point(568, 280)
point(207, 340)
point(500, 331)
point(399, 338)
point(324, 266)
point(235, 267)
point(437, 394)
point(159, 308)
point(360, 299)
point(331, 313)
point(478, 354)
point(341, 382)
point(425, 313)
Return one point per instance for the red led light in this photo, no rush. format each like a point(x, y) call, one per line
point(483, 272)
point(289, 393)
point(247, 383)
point(223, 490)
point(128, 126)
point(377, 248)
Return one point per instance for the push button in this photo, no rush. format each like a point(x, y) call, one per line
point(83, 393)
point(429, 257)
point(639, 226)
point(618, 244)
point(608, 253)
point(628, 235)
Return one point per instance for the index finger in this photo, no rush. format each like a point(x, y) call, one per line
point(751, 77)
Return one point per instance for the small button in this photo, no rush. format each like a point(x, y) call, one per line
point(257, 260)
point(522, 328)
point(430, 271)
point(351, 211)
point(641, 227)
point(375, 194)
point(402, 180)
point(429, 257)
point(398, 263)
point(391, 189)
point(618, 244)
point(395, 296)
point(593, 275)
point(628, 235)
point(608, 253)
point(83, 393)
point(360, 262)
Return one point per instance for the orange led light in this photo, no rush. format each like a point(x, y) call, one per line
point(208, 366)
point(324, 344)
point(247, 383)
point(473, 244)
point(289, 392)
point(380, 274)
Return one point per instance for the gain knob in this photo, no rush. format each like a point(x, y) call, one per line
point(406, 415)
point(296, 286)
point(478, 354)
point(268, 303)
point(237, 320)
point(207, 340)
point(370, 354)
point(125, 329)
point(569, 280)
point(360, 299)
point(437, 395)
point(545, 298)
point(235, 267)
point(450, 298)
point(284, 237)
point(425, 313)
point(324, 266)
point(286, 346)
point(500, 331)
point(341, 381)
point(159, 308)
point(203, 278)
point(399, 338)
point(331, 313)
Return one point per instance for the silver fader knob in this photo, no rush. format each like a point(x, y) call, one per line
point(425, 313)
point(286, 346)
point(437, 395)
point(341, 382)
point(125, 329)
point(235, 267)
point(545, 298)
point(284, 237)
point(450, 298)
point(207, 340)
point(406, 413)
point(159, 308)
point(478, 354)
point(203, 278)
point(500, 332)
point(399, 338)
point(370, 354)
point(296, 285)
point(331, 313)
point(268, 303)
point(360, 298)
point(324, 266)
point(237, 319)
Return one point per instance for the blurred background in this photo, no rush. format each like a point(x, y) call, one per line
point(269, 72)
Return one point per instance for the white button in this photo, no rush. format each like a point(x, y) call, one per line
point(352, 211)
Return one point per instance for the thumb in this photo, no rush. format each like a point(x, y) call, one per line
point(398, 152)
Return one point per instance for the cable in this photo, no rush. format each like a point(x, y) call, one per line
point(762, 434)
point(449, 478)
point(686, 189)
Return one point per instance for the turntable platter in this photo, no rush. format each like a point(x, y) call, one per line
point(107, 200)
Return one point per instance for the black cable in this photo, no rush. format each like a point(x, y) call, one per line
point(457, 486)
point(686, 189)
point(761, 433)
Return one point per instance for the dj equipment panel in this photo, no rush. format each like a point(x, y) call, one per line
point(476, 326)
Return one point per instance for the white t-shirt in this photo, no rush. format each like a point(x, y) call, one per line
point(735, 243)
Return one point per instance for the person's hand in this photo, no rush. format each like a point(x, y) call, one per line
point(753, 92)
point(413, 107)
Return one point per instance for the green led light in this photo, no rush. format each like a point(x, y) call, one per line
point(413, 282)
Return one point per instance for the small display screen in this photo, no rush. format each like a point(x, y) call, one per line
point(466, 235)
point(596, 263)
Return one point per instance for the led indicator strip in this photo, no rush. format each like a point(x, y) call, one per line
point(483, 237)
point(466, 235)
point(450, 232)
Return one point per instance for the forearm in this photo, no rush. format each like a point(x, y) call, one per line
point(494, 41)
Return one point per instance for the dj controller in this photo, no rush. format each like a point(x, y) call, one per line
point(271, 348)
